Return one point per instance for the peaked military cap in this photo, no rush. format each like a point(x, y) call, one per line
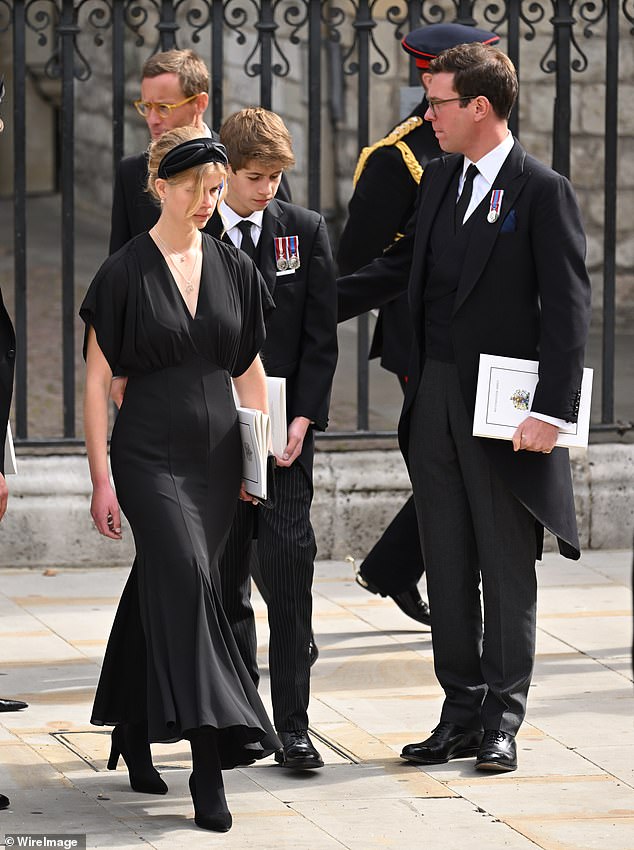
point(425, 43)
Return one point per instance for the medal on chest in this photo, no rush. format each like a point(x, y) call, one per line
point(495, 205)
point(286, 253)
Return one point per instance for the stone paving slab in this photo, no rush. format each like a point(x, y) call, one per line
point(373, 691)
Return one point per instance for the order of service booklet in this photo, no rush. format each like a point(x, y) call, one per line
point(504, 396)
point(255, 433)
point(259, 431)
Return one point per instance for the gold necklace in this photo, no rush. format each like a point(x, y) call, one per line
point(189, 286)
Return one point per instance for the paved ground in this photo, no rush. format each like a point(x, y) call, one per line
point(373, 691)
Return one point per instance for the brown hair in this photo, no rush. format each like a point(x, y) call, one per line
point(157, 150)
point(256, 133)
point(480, 69)
point(192, 72)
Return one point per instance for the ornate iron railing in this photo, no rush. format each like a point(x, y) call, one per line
point(68, 32)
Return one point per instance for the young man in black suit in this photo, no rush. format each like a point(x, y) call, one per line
point(386, 182)
point(289, 245)
point(174, 93)
point(495, 263)
point(7, 366)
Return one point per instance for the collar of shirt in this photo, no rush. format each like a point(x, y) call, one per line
point(207, 131)
point(488, 169)
point(231, 219)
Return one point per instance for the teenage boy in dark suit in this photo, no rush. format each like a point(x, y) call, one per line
point(289, 245)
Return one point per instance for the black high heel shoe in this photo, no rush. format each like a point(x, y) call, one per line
point(217, 822)
point(205, 783)
point(136, 753)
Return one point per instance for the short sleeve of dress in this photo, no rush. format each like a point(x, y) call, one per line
point(257, 304)
point(104, 307)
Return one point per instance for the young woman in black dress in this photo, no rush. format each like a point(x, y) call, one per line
point(180, 314)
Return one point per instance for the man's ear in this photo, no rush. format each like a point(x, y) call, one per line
point(201, 103)
point(425, 79)
point(483, 107)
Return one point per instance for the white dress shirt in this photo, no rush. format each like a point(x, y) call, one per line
point(488, 169)
point(231, 219)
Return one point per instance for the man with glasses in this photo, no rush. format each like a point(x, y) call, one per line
point(174, 93)
point(494, 256)
point(386, 182)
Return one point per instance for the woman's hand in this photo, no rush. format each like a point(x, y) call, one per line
point(104, 509)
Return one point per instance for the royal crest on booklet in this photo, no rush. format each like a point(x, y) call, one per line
point(504, 398)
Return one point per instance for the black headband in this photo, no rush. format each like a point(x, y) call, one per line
point(189, 155)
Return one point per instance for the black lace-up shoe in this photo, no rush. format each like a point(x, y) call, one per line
point(298, 751)
point(447, 741)
point(497, 751)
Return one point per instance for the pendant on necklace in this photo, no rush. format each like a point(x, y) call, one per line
point(189, 288)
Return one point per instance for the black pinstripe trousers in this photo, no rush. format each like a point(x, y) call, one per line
point(285, 550)
point(473, 532)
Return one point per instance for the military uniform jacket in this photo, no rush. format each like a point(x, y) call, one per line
point(7, 366)
point(383, 202)
point(523, 292)
point(301, 333)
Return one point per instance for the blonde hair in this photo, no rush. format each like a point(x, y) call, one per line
point(256, 133)
point(165, 143)
point(192, 72)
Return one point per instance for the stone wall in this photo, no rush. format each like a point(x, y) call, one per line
point(356, 495)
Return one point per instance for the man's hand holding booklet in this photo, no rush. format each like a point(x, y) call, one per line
point(504, 396)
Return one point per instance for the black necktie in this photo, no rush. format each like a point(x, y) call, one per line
point(247, 245)
point(465, 195)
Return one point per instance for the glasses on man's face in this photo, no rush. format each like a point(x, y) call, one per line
point(144, 107)
point(434, 104)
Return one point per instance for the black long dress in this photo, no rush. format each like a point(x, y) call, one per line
point(176, 463)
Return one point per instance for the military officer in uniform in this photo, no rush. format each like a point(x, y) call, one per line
point(386, 182)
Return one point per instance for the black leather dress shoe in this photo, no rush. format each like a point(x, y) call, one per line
point(497, 752)
point(12, 704)
point(4, 802)
point(447, 741)
point(410, 601)
point(297, 751)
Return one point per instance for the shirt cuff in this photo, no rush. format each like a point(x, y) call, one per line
point(552, 420)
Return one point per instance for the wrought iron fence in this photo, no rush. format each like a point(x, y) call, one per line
point(68, 32)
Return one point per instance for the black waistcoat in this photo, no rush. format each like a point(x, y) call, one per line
point(445, 259)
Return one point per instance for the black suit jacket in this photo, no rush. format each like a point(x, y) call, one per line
point(134, 210)
point(301, 333)
point(524, 292)
point(381, 206)
point(7, 366)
